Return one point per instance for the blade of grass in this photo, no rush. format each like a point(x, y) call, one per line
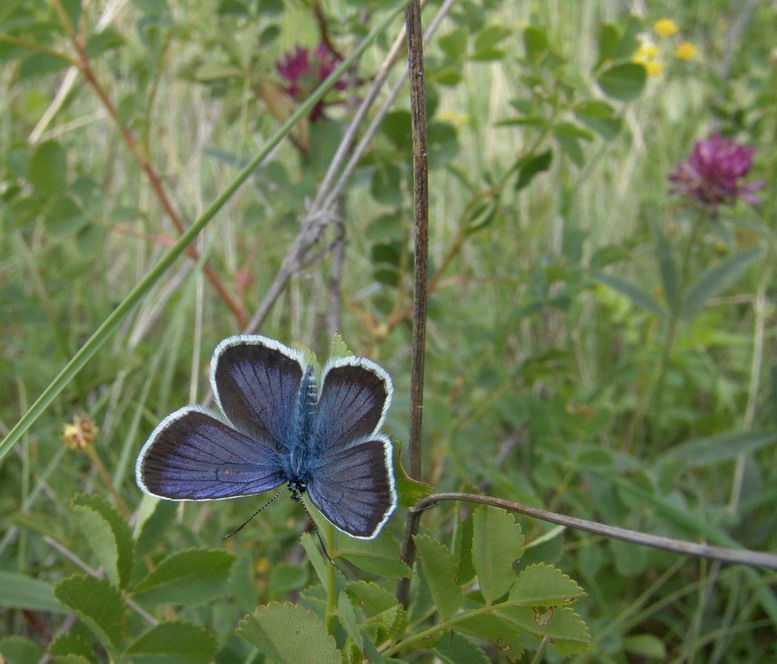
point(109, 325)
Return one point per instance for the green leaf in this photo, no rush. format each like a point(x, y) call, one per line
point(609, 36)
point(531, 166)
point(491, 36)
point(103, 41)
point(288, 634)
point(284, 578)
point(99, 605)
point(48, 168)
point(190, 577)
point(157, 516)
point(704, 452)
point(108, 534)
point(409, 491)
point(440, 570)
point(18, 650)
point(347, 617)
point(623, 82)
point(63, 216)
point(173, 642)
point(18, 591)
point(544, 585)
point(458, 649)
point(713, 281)
point(535, 41)
point(379, 556)
point(454, 44)
point(374, 598)
point(636, 295)
point(496, 544)
point(385, 184)
point(645, 646)
point(462, 544)
point(566, 630)
point(72, 646)
point(493, 629)
point(600, 117)
point(668, 269)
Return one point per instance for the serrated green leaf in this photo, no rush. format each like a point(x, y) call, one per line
point(23, 592)
point(704, 452)
point(566, 630)
point(173, 642)
point(713, 281)
point(108, 534)
point(458, 649)
point(72, 647)
point(496, 544)
point(347, 617)
point(373, 597)
point(623, 82)
point(48, 168)
point(18, 650)
point(544, 585)
point(636, 295)
point(288, 634)
point(190, 577)
point(493, 629)
point(393, 623)
point(156, 518)
point(378, 556)
point(440, 570)
point(99, 605)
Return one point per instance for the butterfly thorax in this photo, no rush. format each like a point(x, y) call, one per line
point(298, 464)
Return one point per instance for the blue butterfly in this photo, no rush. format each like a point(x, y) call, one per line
point(279, 428)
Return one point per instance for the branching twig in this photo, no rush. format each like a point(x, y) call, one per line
point(740, 556)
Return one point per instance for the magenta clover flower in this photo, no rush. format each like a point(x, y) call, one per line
point(304, 71)
point(713, 173)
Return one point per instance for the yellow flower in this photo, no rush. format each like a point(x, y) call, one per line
point(645, 53)
point(456, 119)
point(80, 434)
point(685, 51)
point(654, 68)
point(665, 27)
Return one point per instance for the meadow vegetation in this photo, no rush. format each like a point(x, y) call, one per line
point(600, 337)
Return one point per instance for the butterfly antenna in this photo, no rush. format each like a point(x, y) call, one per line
point(246, 522)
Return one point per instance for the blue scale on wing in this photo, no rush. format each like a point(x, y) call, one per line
point(195, 456)
point(257, 386)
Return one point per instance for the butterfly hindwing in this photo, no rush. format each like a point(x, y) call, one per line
point(354, 488)
point(256, 382)
point(355, 395)
point(192, 455)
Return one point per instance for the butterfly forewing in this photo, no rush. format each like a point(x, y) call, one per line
point(354, 488)
point(355, 396)
point(256, 382)
point(192, 455)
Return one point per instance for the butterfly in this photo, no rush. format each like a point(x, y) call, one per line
point(278, 428)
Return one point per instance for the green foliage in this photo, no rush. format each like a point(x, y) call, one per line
point(597, 345)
